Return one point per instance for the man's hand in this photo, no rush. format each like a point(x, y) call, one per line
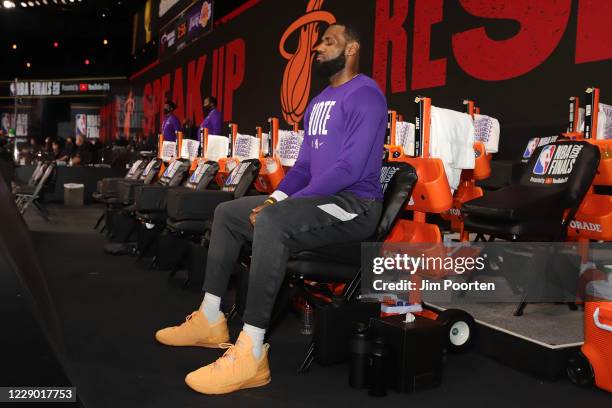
point(257, 210)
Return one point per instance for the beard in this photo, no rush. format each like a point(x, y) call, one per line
point(326, 69)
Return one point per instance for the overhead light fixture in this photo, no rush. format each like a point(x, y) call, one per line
point(8, 4)
point(24, 4)
point(45, 2)
point(37, 2)
point(30, 3)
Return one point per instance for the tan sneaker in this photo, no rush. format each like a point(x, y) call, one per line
point(195, 331)
point(235, 370)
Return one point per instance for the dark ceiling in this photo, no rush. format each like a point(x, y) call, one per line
point(79, 28)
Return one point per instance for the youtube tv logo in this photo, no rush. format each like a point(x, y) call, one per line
point(83, 87)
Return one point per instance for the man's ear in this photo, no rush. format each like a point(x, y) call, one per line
point(352, 48)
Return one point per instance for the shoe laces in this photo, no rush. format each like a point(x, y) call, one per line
point(190, 316)
point(228, 357)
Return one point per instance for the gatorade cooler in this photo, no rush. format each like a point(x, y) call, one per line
point(595, 361)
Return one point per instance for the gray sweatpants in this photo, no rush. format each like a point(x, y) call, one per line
point(288, 226)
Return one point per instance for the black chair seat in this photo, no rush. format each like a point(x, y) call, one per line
point(528, 230)
point(189, 226)
point(149, 198)
point(126, 190)
point(321, 270)
point(184, 204)
point(346, 253)
point(515, 203)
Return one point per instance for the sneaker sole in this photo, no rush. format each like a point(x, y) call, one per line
point(205, 345)
point(253, 383)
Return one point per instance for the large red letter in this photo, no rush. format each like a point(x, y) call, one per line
point(195, 72)
point(542, 22)
point(234, 74)
point(594, 20)
point(388, 29)
point(178, 95)
point(426, 73)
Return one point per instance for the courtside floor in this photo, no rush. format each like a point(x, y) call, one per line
point(109, 308)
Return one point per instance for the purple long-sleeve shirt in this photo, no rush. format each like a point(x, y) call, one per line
point(213, 121)
point(170, 126)
point(344, 131)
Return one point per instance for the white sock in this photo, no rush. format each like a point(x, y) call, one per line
point(211, 307)
point(257, 335)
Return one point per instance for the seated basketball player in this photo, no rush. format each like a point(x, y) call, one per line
point(332, 195)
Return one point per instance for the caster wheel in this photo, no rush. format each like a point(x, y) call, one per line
point(579, 370)
point(460, 329)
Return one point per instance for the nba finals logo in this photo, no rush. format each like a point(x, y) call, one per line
point(531, 146)
point(295, 89)
point(544, 160)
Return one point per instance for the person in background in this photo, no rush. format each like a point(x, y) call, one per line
point(34, 147)
point(171, 124)
point(213, 119)
point(97, 149)
point(56, 150)
point(47, 146)
point(83, 154)
point(68, 150)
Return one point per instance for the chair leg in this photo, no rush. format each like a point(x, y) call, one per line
point(153, 264)
point(351, 288)
point(100, 220)
point(521, 307)
point(42, 210)
point(308, 358)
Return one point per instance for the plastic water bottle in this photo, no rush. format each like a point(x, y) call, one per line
point(307, 319)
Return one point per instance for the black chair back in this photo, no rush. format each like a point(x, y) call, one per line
point(242, 177)
point(563, 167)
point(203, 175)
point(397, 180)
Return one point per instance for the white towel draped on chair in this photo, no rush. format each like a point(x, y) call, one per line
point(189, 149)
point(452, 141)
point(288, 148)
point(246, 147)
point(404, 136)
point(486, 131)
point(168, 151)
point(217, 147)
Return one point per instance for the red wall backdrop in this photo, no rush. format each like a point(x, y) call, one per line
point(519, 59)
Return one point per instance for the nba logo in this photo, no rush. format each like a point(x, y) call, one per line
point(544, 160)
point(531, 146)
